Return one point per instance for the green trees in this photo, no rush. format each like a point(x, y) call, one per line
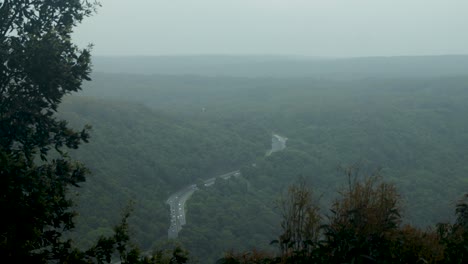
point(363, 221)
point(39, 65)
point(363, 226)
point(360, 228)
point(301, 221)
point(454, 237)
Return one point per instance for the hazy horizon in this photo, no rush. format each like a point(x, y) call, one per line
point(323, 29)
point(286, 56)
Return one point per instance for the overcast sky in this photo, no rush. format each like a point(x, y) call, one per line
point(338, 28)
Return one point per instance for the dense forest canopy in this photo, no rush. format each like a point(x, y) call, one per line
point(222, 158)
point(39, 66)
point(191, 128)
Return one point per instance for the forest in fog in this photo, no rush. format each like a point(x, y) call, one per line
point(233, 132)
point(156, 133)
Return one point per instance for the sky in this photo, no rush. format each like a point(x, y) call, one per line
point(324, 28)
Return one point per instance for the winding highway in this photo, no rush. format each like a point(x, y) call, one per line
point(178, 199)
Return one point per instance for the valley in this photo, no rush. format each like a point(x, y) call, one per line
point(157, 133)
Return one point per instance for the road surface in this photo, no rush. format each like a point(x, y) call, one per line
point(178, 199)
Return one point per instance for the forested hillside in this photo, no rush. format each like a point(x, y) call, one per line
point(290, 132)
point(142, 156)
point(288, 66)
point(154, 134)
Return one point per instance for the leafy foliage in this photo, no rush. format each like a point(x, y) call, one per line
point(455, 236)
point(363, 221)
point(39, 65)
point(413, 128)
point(301, 221)
point(364, 227)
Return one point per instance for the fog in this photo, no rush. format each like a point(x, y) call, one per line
point(329, 28)
point(234, 131)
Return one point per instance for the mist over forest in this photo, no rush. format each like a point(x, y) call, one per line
point(233, 132)
point(163, 123)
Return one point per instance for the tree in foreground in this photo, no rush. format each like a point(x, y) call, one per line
point(364, 220)
point(364, 226)
point(301, 221)
point(39, 65)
